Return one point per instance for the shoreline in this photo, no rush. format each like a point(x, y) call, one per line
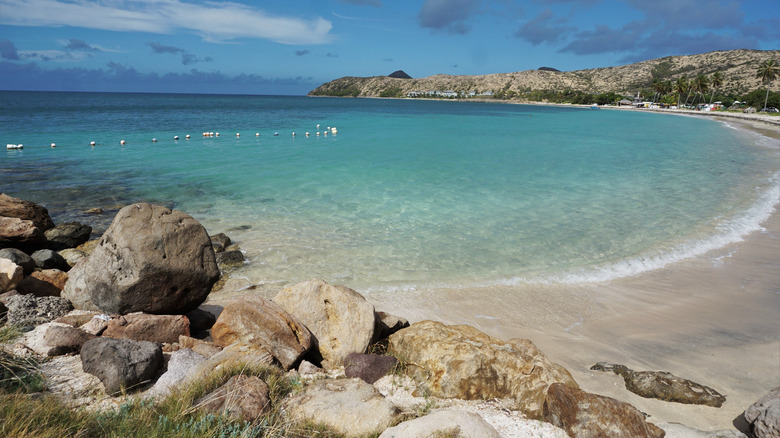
point(710, 318)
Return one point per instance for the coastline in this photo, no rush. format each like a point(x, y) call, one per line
point(710, 318)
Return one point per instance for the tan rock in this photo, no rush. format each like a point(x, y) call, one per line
point(242, 397)
point(459, 424)
point(350, 406)
point(15, 232)
point(44, 283)
point(11, 275)
point(582, 414)
point(204, 348)
point(341, 320)
point(143, 327)
point(261, 322)
point(21, 209)
point(232, 356)
point(461, 362)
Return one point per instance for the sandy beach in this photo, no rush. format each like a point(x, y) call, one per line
point(711, 319)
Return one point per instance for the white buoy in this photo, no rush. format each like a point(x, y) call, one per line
point(154, 140)
point(257, 134)
point(318, 133)
point(175, 137)
point(187, 136)
point(307, 133)
point(14, 146)
point(238, 134)
point(215, 134)
point(318, 126)
point(92, 143)
point(53, 145)
point(122, 142)
point(276, 134)
point(293, 133)
point(334, 130)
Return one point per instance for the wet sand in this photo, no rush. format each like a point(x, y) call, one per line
point(713, 319)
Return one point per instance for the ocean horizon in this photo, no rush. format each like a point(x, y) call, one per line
point(406, 194)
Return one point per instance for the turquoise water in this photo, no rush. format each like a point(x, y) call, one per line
point(408, 194)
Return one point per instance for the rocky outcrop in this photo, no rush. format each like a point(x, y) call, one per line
point(459, 424)
point(150, 259)
point(763, 416)
point(582, 414)
point(67, 235)
point(121, 363)
point(44, 283)
point(31, 310)
point(350, 406)
point(462, 362)
point(664, 386)
point(261, 322)
point(144, 327)
point(11, 275)
point(341, 320)
point(368, 367)
point(242, 397)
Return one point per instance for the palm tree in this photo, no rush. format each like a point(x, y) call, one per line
point(716, 82)
point(680, 86)
point(768, 71)
point(700, 84)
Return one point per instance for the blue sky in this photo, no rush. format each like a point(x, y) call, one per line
point(290, 47)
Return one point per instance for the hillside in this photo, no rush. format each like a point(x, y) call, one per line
point(738, 68)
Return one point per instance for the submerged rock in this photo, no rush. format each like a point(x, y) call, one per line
point(664, 386)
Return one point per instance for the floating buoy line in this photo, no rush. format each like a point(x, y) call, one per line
point(325, 132)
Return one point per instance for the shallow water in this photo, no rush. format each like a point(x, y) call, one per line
point(408, 194)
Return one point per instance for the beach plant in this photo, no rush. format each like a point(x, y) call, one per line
point(700, 84)
point(715, 82)
point(20, 374)
point(768, 71)
point(680, 87)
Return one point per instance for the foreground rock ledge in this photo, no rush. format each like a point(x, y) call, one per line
point(460, 361)
point(151, 259)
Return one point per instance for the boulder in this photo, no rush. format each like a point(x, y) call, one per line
point(230, 258)
point(48, 259)
point(44, 283)
point(203, 348)
point(67, 235)
point(200, 320)
point(664, 386)
point(20, 258)
point(220, 242)
point(388, 324)
point(582, 414)
point(21, 209)
point(258, 321)
point(65, 340)
point(31, 310)
point(180, 364)
point(341, 320)
point(121, 363)
point(76, 320)
point(244, 398)
point(72, 256)
point(351, 407)
point(11, 275)
point(763, 416)
point(96, 325)
point(368, 367)
point(306, 369)
point(232, 356)
point(459, 424)
point(20, 233)
point(150, 259)
point(145, 327)
point(461, 362)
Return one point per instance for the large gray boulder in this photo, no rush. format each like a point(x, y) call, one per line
point(764, 415)
point(48, 259)
point(351, 407)
point(121, 363)
point(341, 320)
point(582, 415)
point(151, 259)
point(255, 320)
point(460, 424)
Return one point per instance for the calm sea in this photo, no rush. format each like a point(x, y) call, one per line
point(408, 194)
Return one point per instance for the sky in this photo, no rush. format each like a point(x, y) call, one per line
point(289, 47)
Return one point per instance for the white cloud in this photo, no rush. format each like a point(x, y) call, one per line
point(214, 21)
